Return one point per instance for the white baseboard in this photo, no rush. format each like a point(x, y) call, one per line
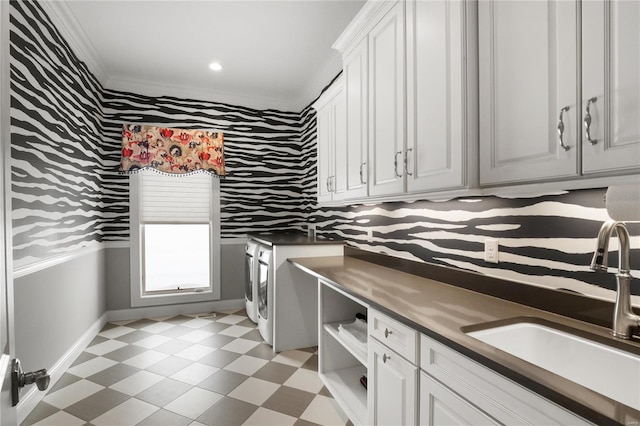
point(33, 396)
point(170, 310)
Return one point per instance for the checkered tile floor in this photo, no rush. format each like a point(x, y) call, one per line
point(188, 370)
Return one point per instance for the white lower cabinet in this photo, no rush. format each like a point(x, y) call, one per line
point(414, 379)
point(439, 405)
point(460, 391)
point(393, 371)
point(392, 387)
point(341, 363)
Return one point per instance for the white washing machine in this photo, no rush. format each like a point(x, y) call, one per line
point(265, 294)
point(251, 280)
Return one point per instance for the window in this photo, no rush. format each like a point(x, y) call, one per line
point(175, 228)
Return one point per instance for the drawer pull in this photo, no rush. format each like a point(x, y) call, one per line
point(385, 357)
point(387, 332)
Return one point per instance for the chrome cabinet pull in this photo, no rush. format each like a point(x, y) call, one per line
point(387, 332)
point(561, 129)
point(328, 189)
point(332, 179)
point(385, 357)
point(587, 120)
point(406, 156)
point(361, 179)
point(395, 164)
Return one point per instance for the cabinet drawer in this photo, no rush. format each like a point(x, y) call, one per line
point(395, 335)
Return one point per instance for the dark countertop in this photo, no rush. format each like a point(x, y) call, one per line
point(288, 239)
point(442, 311)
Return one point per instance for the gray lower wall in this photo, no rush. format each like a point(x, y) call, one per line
point(118, 283)
point(117, 274)
point(56, 306)
point(232, 271)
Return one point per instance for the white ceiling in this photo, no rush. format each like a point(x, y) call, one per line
point(274, 54)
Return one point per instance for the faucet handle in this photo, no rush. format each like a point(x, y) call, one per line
point(599, 260)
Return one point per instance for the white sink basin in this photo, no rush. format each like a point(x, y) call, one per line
point(609, 371)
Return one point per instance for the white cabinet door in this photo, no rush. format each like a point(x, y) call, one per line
point(325, 155)
point(527, 67)
point(339, 121)
point(436, 98)
point(331, 130)
point(440, 406)
point(386, 103)
point(611, 80)
point(392, 392)
point(356, 89)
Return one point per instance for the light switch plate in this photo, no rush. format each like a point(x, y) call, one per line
point(369, 235)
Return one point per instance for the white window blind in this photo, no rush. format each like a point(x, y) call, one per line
point(175, 199)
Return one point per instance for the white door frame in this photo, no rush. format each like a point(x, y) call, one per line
point(8, 414)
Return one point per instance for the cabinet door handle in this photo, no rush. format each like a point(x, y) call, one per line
point(395, 164)
point(333, 186)
point(561, 129)
point(361, 178)
point(328, 188)
point(385, 357)
point(587, 120)
point(387, 332)
point(406, 157)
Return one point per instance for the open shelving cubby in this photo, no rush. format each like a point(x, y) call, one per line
point(340, 364)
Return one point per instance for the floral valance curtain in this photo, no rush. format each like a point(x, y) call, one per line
point(173, 151)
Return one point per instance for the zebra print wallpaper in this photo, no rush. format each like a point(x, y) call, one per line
point(66, 131)
point(262, 153)
point(56, 134)
point(68, 193)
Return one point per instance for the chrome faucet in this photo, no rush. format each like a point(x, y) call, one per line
point(624, 320)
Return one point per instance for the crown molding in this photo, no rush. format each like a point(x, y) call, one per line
point(66, 22)
point(321, 78)
point(360, 22)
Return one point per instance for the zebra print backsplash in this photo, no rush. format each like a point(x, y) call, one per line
point(68, 193)
point(547, 240)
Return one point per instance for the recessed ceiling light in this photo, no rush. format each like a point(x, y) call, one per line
point(215, 66)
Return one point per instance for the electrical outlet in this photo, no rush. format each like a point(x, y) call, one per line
point(311, 231)
point(369, 235)
point(491, 250)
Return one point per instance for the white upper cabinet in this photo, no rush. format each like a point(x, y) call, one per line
point(386, 103)
point(441, 148)
point(411, 87)
point(444, 97)
point(528, 90)
point(325, 147)
point(339, 118)
point(332, 135)
point(611, 85)
point(356, 90)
